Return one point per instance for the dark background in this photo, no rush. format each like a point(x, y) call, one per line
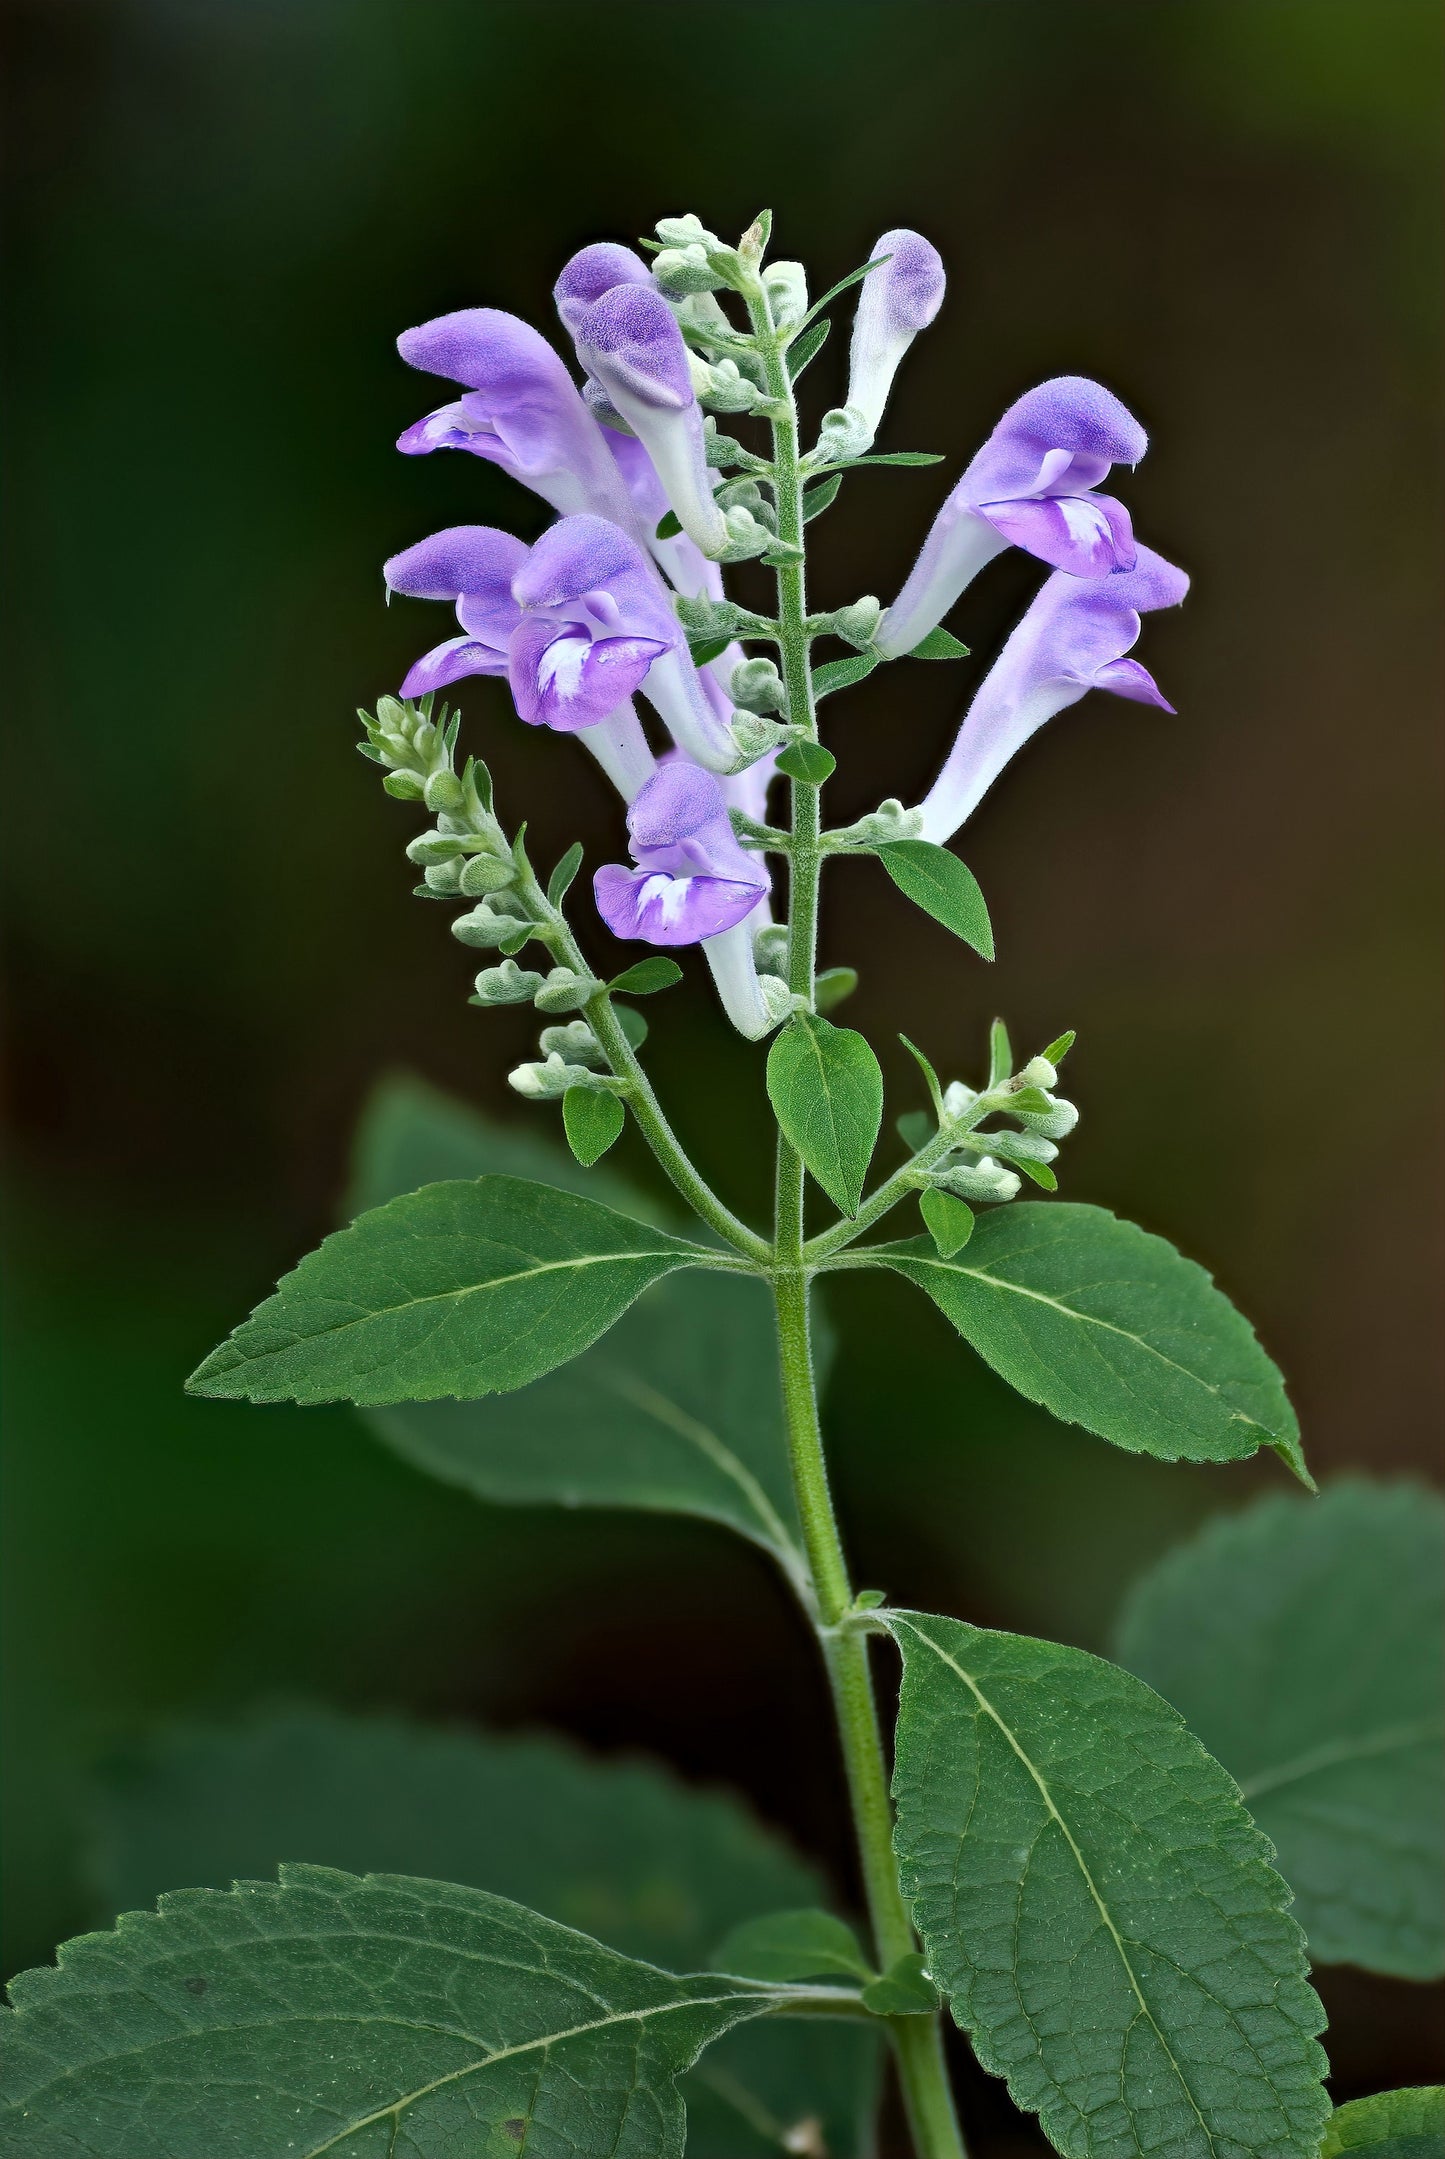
point(221, 213)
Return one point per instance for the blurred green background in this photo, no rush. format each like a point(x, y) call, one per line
point(221, 213)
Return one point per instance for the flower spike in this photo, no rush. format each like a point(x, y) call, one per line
point(1072, 639)
point(1032, 485)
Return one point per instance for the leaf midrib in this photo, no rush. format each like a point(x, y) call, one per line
point(655, 1404)
point(1083, 1866)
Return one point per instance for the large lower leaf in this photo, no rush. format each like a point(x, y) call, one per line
point(826, 1089)
point(621, 1849)
point(677, 1408)
point(462, 1288)
point(1098, 1906)
point(1302, 1640)
point(1110, 1328)
point(1391, 2125)
point(375, 2018)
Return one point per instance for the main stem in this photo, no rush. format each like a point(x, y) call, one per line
point(917, 2041)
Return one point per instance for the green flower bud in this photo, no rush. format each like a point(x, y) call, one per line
point(443, 877)
point(403, 786)
point(770, 948)
point(1056, 1122)
point(444, 791)
point(845, 433)
point(786, 285)
point(981, 1180)
point(485, 927)
point(757, 686)
point(508, 984)
point(433, 847)
point(858, 624)
point(681, 270)
point(575, 1043)
point(754, 736)
point(1038, 1072)
point(484, 873)
point(566, 991)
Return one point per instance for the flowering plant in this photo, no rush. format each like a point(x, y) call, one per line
point(1058, 1860)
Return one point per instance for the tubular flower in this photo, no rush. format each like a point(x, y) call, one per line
point(629, 342)
point(897, 300)
point(1032, 485)
point(520, 410)
point(1072, 639)
point(692, 881)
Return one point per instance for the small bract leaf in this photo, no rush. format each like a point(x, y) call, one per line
point(949, 1220)
point(808, 762)
point(1110, 1328)
point(1391, 2125)
point(820, 497)
point(645, 977)
point(633, 1025)
point(842, 674)
point(826, 1089)
point(593, 1118)
point(807, 347)
point(1057, 1051)
point(833, 986)
point(904, 1990)
point(915, 1128)
point(935, 1091)
point(711, 648)
point(943, 887)
point(807, 1944)
point(561, 878)
point(1097, 1905)
point(939, 644)
point(1302, 1640)
point(668, 527)
point(1000, 1055)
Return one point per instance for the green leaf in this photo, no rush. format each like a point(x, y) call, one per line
point(616, 1847)
point(807, 347)
point(460, 1289)
point(710, 648)
point(411, 1134)
point(904, 1990)
point(645, 977)
point(1037, 1173)
point(633, 1025)
point(1109, 1328)
point(1302, 1641)
point(1097, 1905)
point(561, 878)
point(889, 457)
point(854, 277)
point(1057, 1051)
point(915, 1128)
point(327, 2013)
point(943, 887)
point(949, 1221)
point(842, 674)
point(803, 1944)
point(1000, 1056)
point(668, 526)
point(833, 986)
point(826, 1089)
point(1392, 2125)
point(819, 498)
point(935, 1091)
point(808, 762)
point(939, 644)
point(593, 1118)
point(677, 1411)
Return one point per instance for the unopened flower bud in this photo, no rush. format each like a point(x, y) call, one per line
point(858, 623)
point(1019, 1146)
point(403, 786)
point(1057, 1122)
point(746, 536)
point(1038, 1072)
point(779, 1003)
point(755, 736)
point(508, 984)
point(890, 821)
point(756, 685)
point(444, 792)
point(957, 1099)
point(575, 1044)
point(432, 847)
point(984, 1179)
point(542, 1082)
point(482, 874)
point(770, 948)
point(786, 285)
point(845, 433)
point(443, 876)
point(685, 231)
point(391, 716)
point(565, 991)
point(484, 928)
point(680, 270)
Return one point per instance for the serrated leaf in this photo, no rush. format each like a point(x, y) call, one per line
point(1391, 2125)
point(593, 1118)
point(412, 1134)
point(799, 1944)
point(1097, 1905)
point(943, 887)
point(939, 644)
point(327, 2013)
point(826, 1089)
point(1110, 1328)
point(561, 878)
point(677, 1410)
point(842, 674)
point(645, 977)
point(949, 1221)
point(807, 347)
point(821, 497)
point(833, 987)
point(459, 1289)
point(904, 1990)
point(617, 1847)
point(808, 762)
point(1302, 1641)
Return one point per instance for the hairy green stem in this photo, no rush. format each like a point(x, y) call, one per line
point(901, 1183)
point(917, 2041)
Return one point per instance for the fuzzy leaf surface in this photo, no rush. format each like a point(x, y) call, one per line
point(382, 2017)
point(619, 1848)
point(1098, 1906)
point(1110, 1328)
point(1302, 1641)
point(1390, 2125)
point(826, 1087)
point(463, 1288)
point(935, 880)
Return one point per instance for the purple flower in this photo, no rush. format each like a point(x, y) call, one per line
point(629, 342)
point(1032, 485)
point(1072, 639)
point(472, 566)
point(897, 301)
point(693, 880)
point(521, 410)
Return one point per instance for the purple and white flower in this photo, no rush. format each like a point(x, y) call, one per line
point(630, 344)
point(1032, 485)
point(520, 410)
point(1072, 639)
point(693, 880)
point(897, 300)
